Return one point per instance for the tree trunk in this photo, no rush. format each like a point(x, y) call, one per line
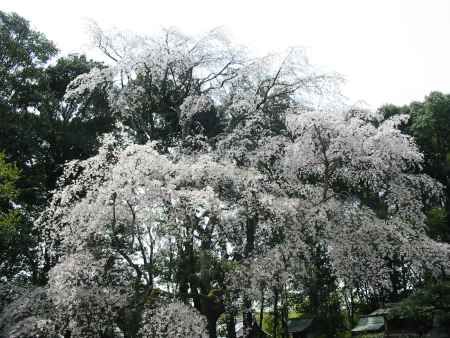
point(285, 314)
point(129, 319)
point(261, 314)
point(247, 316)
point(212, 326)
point(250, 230)
point(275, 312)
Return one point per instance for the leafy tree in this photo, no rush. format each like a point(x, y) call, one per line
point(40, 130)
point(9, 216)
point(23, 55)
point(429, 304)
point(16, 242)
point(430, 125)
point(70, 128)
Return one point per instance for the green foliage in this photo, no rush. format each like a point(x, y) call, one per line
point(430, 125)
point(8, 223)
point(321, 298)
point(23, 54)
point(425, 302)
point(437, 224)
point(8, 177)
point(40, 131)
point(268, 324)
point(390, 110)
point(69, 129)
point(344, 334)
point(9, 218)
point(57, 78)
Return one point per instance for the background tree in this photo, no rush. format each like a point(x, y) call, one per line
point(430, 125)
point(23, 56)
point(11, 261)
point(40, 131)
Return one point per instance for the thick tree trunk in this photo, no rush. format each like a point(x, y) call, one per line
point(211, 308)
point(212, 326)
point(275, 312)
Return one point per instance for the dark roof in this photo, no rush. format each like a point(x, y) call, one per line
point(299, 324)
point(369, 323)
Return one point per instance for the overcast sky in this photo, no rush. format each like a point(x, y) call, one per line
point(390, 51)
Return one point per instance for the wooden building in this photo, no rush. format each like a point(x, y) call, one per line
point(379, 322)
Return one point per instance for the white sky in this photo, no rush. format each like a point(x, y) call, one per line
point(390, 51)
